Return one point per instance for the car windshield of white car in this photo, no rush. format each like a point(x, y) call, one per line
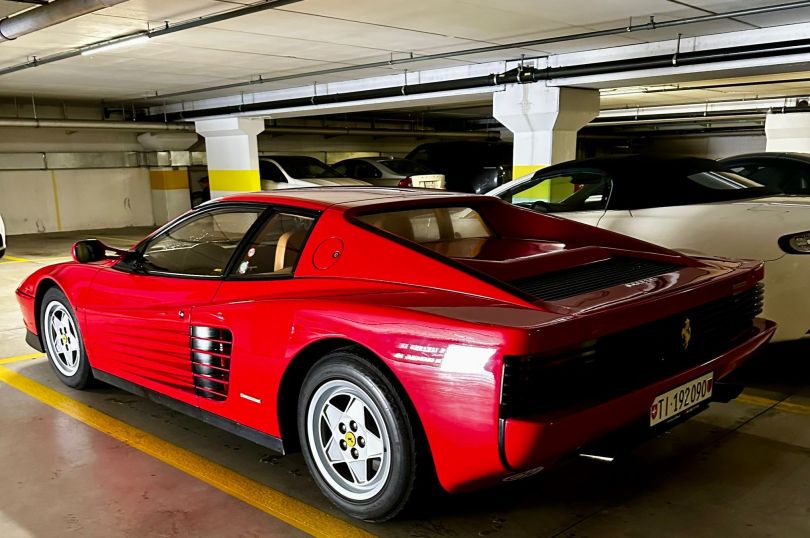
point(574, 190)
point(300, 167)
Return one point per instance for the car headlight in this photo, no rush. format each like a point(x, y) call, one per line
point(796, 243)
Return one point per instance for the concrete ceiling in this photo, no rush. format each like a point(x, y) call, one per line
point(317, 34)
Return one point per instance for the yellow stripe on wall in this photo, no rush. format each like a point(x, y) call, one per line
point(235, 180)
point(168, 180)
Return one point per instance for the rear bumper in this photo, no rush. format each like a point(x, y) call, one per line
point(529, 443)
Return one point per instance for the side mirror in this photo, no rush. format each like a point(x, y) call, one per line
point(93, 250)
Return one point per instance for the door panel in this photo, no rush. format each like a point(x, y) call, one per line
point(732, 230)
point(255, 308)
point(585, 217)
point(138, 328)
point(259, 332)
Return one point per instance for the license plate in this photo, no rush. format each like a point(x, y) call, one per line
point(680, 399)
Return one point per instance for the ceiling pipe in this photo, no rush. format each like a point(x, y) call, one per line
point(160, 31)
point(351, 131)
point(141, 126)
point(519, 75)
point(737, 117)
point(78, 125)
point(48, 15)
point(652, 25)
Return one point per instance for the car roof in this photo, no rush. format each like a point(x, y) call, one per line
point(629, 163)
point(793, 156)
point(324, 197)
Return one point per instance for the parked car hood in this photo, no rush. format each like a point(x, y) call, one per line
point(785, 202)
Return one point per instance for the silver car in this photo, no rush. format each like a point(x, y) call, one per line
point(289, 171)
point(390, 172)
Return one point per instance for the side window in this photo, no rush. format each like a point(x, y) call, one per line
point(569, 191)
point(421, 155)
point(365, 170)
point(270, 172)
point(201, 246)
point(276, 247)
point(778, 177)
point(345, 168)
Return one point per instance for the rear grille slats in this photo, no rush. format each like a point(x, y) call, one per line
point(591, 277)
point(628, 360)
point(211, 361)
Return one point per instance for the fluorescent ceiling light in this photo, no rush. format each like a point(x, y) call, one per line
point(116, 45)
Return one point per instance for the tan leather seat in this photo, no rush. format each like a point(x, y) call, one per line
point(288, 249)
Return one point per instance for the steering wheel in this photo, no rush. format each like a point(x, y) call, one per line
point(540, 206)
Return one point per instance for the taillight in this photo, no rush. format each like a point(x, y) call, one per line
point(407, 182)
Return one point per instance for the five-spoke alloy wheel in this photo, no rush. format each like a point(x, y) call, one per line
point(357, 437)
point(62, 339)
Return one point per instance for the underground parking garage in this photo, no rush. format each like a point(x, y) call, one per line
point(307, 267)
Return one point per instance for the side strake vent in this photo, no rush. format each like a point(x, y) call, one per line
point(211, 361)
point(591, 277)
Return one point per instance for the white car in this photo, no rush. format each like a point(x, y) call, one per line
point(390, 172)
point(289, 171)
point(2, 237)
point(692, 205)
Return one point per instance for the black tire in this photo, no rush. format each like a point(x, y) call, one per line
point(404, 464)
point(55, 303)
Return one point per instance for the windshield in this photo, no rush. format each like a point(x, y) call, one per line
point(577, 190)
point(406, 167)
point(300, 167)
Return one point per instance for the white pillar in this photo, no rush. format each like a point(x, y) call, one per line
point(788, 132)
point(171, 195)
point(545, 121)
point(233, 154)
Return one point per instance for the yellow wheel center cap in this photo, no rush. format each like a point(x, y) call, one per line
point(64, 339)
point(350, 439)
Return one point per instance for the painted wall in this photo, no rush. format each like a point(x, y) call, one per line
point(37, 201)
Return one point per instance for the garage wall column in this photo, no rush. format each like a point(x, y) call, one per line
point(170, 193)
point(788, 132)
point(233, 154)
point(545, 121)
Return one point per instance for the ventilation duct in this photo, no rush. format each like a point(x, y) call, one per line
point(48, 15)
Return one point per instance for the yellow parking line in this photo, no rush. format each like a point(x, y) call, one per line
point(288, 509)
point(14, 259)
point(19, 358)
point(788, 407)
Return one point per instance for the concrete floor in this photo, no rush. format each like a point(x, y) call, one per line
point(739, 469)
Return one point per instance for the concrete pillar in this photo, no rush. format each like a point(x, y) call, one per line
point(545, 121)
point(788, 132)
point(233, 154)
point(170, 193)
point(171, 196)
